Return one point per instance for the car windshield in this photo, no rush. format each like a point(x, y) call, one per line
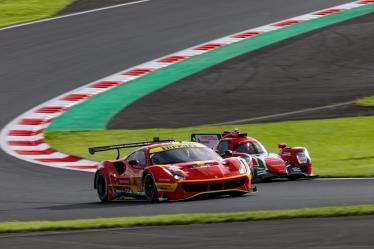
point(187, 154)
point(250, 148)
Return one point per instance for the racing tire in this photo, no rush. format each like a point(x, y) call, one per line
point(101, 187)
point(150, 189)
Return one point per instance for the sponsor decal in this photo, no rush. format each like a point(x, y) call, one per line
point(203, 165)
point(295, 169)
point(173, 147)
point(163, 180)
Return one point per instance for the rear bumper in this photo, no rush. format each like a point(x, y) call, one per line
point(266, 175)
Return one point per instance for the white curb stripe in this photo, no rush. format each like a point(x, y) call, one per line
point(24, 138)
point(15, 138)
point(43, 115)
point(307, 17)
point(30, 127)
point(31, 148)
point(53, 155)
point(92, 91)
point(266, 28)
point(62, 103)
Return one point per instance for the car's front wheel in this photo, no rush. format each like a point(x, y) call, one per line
point(101, 187)
point(150, 188)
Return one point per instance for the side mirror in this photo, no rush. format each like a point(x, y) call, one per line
point(134, 162)
point(282, 146)
point(228, 153)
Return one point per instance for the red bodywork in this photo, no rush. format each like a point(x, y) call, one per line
point(288, 163)
point(290, 155)
point(191, 178)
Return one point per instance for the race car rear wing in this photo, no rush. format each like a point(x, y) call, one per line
point(208, 139)
point(156, 140)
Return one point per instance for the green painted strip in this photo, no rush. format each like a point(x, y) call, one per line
point(95, 113)
point(261, 163)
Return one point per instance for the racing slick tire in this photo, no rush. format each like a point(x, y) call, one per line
point(101, 187)
point(150, 188)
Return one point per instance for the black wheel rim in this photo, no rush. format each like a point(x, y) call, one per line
point(149, 186)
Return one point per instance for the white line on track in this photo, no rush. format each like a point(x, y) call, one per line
point(344, 178)
point(74, 14)
point(51, 233)
point(283, 114)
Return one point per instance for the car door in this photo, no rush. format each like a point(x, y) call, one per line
point(135, 172)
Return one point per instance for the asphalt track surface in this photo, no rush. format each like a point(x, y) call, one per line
point(320, 68)
point(84, 5)
point(331, 233)
point(41, 61)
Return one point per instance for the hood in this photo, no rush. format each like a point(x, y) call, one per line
point(203, 169)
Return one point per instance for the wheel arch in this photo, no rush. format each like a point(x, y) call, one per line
point(104, 168)
point(151, 170)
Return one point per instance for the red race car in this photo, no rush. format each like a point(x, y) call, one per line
point(170, 171)
point(291, 163)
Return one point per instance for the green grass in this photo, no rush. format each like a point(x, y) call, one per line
point(365, 102)
point(179, 219)
point(18, 11)
point(341, 147)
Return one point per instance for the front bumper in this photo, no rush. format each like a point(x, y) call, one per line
point(292, 173)
point(187, 189)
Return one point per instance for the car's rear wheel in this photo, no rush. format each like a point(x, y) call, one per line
point(102, 187)
point(150, 188)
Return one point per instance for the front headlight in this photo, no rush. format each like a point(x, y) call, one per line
point(247, 159)
point(243, 166)
point(174, 174)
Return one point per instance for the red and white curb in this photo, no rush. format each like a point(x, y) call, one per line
point(24, 136)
